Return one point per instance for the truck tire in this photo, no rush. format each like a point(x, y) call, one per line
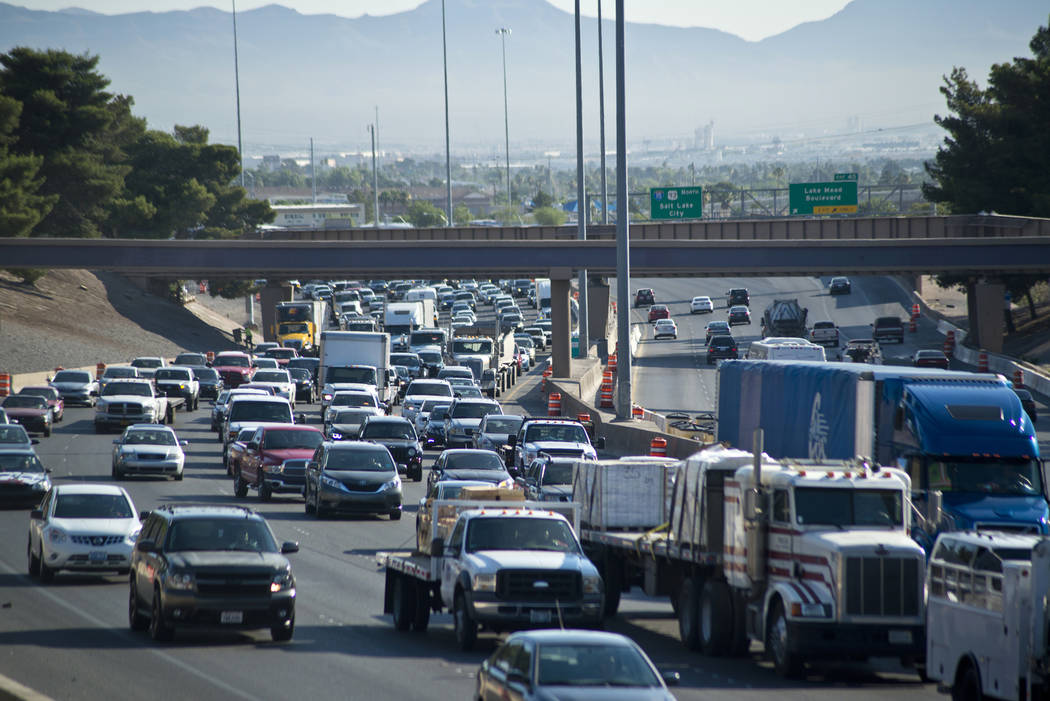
point(265, 493)
point(716, 618)
point(612, 575)
point(422, 617)
point(967, 686)
point(240, 487)
point(741, 643)
point(404, 604)
point(466, 627)
point(786, 663)
point(689, 612)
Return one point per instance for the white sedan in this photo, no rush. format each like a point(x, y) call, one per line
point(701, 305)
point(82, 527)
point(665, 327)
point(281, 380)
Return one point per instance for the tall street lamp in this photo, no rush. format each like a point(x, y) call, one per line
point(503, 32)
point(237, 88)
point(448, 159)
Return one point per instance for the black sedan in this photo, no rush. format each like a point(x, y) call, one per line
point(739, 315)
point(399, 437)
point(469, 464)
point(304, 384)
point(721, 347)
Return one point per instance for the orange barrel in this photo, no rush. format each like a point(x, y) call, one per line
point(99, 369)
point(612, 362)
point(1018, 378)
point(606, 396)
point(5, 384)
point(949, 344)
point(210, 355)
point(554, 404)
point(637, 412)
point(982, 361)
point(915, 311)
point(658, 447)
point(913, 325)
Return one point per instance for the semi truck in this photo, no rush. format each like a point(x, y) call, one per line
point(811, 559)
point(784, 317)
point(486, 347)
point(964, 439)
point(299, 325)
point(357, 357)
point(500, 565)
point(402, 318)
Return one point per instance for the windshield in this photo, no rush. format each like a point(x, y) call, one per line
point(845, 507)
point(71, 376)
point(432, 357)
point(409, 360)
point(134, 389)
point(518, 533)
point(92, 506)
point(426, 338)
point(1013, 477)
point(233, 361)
point(24, 401)
point(430, 390)
point(558, 473)
point(207, 374)
point(260, 411)
point(503, 426)
point(389, 429)
point(286, 440)
point(351, 416)
point(146, 363)
point(288, 329)
point(361, 375)
point(300, 374)
point(189, 359)
point(565, 433)
point(13, 433)
point(173, 375)
point(474, 346)
point(593, 665)
point(370, 460)
point(473, 411)
point(270, 376)
point(221, 534)
point(353, 399)
point(20, 462)
point(149, 438)
point(281, 353)
point(46, 392)
point(473, 461)
point(112, 372)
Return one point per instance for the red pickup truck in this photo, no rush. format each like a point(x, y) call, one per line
point(234, 367)
point(274, 460)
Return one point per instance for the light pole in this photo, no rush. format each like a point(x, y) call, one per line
point(582, 208)
point(448, 159)
point(601, 116)
point(623, 234)
point(237, 88)
point(503, 32)
point(375, 177)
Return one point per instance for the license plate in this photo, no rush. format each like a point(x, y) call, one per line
point(97, 556)
point(900, 637)
point(231, 617)
point(539, 616)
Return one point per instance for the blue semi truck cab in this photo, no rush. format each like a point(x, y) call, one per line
point(964, 439)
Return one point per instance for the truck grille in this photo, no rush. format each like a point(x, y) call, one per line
point(234, 584)
point(882, 586)
point(124, 409)
point(563, 452)
point(538, 585)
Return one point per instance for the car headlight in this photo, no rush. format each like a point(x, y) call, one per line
point(332, 483)
point(182, 581)
point(130, 538)
point(274, 469)
point(485, 582)
point(56, 535)
point(392, 484)
point(506, 484)
point(411, 452)
point(592, 584)
point(282, 582)
point(326, 397)
point(40, 486)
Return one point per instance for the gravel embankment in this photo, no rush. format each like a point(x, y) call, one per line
point(74, 318)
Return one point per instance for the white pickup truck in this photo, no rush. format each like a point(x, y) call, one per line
point(131, 401)
point(503, 566)
point(824, 333)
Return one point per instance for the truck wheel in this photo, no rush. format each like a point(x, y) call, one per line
point(240, 487)
point(422, 617)
point(404, 604)
point(136, 621)
point(741, 643)
point(466, 627)
point(47, 429)
point(716, 618)
point(265, 492)
point(967, 686)
point(612, 575)
point(689, 612)
point(787, 664)
point(159, 630)
point(34, 561)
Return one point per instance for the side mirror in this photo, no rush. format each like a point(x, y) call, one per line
point(146, 546)
point(116, 441)
point(184, 443)
point(143, 515)
point(94, 393)
point(437, 545)
point(34, 441)
point(312, 465)
point(599, 442)
point(300, 418)
point(36, 514)
point(288, 547)
point(670, 678)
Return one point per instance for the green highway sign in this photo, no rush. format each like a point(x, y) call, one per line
point(845, 176)
point(839, 197)
point(676, 203)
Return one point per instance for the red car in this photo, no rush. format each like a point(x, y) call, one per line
point(234, 367)
point(31, 411)
point(659, 311)
point(262, 464)
point(281, 355)
point(53, 397)
point(930, 359)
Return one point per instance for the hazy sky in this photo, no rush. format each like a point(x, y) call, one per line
point(750, 19)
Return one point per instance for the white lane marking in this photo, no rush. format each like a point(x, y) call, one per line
point(107, 626)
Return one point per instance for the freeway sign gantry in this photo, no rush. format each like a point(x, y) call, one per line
point(838, 197)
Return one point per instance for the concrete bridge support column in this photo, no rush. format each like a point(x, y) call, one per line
point(269, 296)
point(561, 331)
point(991, 322)
point(598, 308)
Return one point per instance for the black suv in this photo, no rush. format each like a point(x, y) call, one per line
point(399, 437)
point(644, 297)
point(738, 295)
point(888, 328)
point(721, 347)
point(210, 566)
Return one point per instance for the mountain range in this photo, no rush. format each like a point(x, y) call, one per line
point(877, 63)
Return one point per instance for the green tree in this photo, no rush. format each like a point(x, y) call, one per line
point(76, 127)
point(21, 207)
point(995, 154)
point(549, 216)
point(424, 214)
point(542, 199)
point(461, 214)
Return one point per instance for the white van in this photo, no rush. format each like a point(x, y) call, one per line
point(785, 349)
point(419, 293)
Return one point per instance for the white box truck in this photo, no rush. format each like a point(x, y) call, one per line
point(357, 356)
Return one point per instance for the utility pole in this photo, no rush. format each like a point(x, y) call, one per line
point(503, 32)
point(582, 208)
point(623, 260)
point(448, 152)
point(313, 174)
point(601, 117)
point(375, 176)
point(237, 88)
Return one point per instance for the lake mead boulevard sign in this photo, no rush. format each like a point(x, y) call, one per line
point(676, 203)
point(839, 197)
